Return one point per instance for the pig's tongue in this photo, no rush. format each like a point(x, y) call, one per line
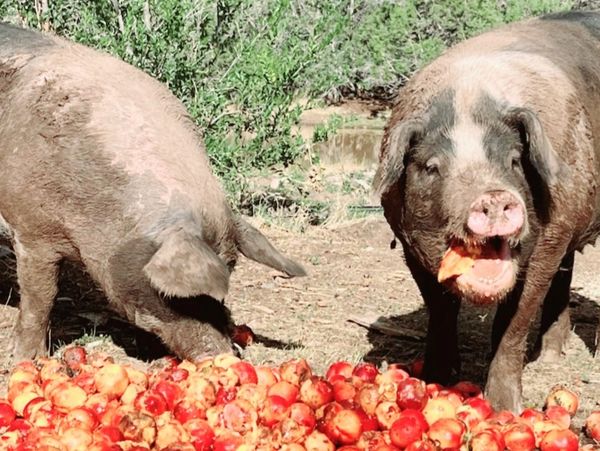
point(482, 262)
point(488, 266)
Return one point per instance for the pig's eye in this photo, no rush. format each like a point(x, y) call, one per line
point(515, 160)
point(432, 166)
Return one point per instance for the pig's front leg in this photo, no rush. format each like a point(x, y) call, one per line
point(442, 360)
point(37, 273)
point(504, 384)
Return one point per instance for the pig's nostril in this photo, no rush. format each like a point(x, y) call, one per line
point(485, 210)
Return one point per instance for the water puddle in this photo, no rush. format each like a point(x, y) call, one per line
point(350, 147)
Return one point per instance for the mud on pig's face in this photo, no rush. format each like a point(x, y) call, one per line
point(465, 191)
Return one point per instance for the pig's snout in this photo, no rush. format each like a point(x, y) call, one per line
point(496, 213)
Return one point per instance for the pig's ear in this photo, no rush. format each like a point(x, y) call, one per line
point(185, 266)
point(401, 138)
point(536, 145)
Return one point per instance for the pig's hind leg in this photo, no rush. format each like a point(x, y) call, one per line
point(37, 273)
point(555, 323)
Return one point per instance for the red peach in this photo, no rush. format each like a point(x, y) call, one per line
point(239, 416)
point(303, 415)
point(339, 369)
point(562, 396)
point(368, 398)
point(343, 391)
point(197, 387)
point(170, 433)
point(81, 417)
point(592, 425)
point(346, 426)
point(179, 374)
point(76, 438)
point(111, 379)
point(559, 415)
point(74, 357)
point(531, 415)
point(227, 442)
point(387, 412)
point(285, 390)
point(170, 391)
point(68, 396)
point(394, 374)
point(86, 381)
point(519, 437)
point(138, 427)
point(136, 376)
point(409, 427)
point(253, 393)
point(242, 335)
point(295, 371)
point(317, 441)
point(111, 434)
point(368, 422)
point(437, 409)
point(202, 434)
point(448, 432)
point(558, 440)
point(542, 427)
point(225, 395)
point(131, 393)
point(316, 392)
point(7, 414)
point(52, 369)
point(23, 375)
point(422, 445)
point(485, 441)
point(411, 394)
point(188, 409)
point(265, 376)
point(366, 372)
point(245, 372)
point(468, 389)
point(274, 410)
point(151, 403)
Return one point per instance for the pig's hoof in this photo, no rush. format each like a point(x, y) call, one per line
point(503, 396)
point(24, 350)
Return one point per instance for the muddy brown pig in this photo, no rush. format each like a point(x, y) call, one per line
point(100, 164)
point(488, 175)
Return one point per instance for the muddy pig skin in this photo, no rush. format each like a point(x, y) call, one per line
point(100, 164)
point(489, 168)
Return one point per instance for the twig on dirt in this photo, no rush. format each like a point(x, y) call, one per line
point(374, 322)
point(8, 297)
point(264, 309)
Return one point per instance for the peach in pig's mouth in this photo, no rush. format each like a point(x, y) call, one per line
point(481, 272)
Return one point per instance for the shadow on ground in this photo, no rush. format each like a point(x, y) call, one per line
point(475, 325)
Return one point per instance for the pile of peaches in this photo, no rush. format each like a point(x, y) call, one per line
point(86, 401)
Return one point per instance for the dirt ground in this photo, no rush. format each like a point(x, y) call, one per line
point(354, 276)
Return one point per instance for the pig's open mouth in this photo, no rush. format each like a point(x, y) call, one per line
point(483, 272)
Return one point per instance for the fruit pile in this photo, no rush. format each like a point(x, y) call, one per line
point(87, 402)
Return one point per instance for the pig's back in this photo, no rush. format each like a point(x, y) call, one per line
point(91, 143)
